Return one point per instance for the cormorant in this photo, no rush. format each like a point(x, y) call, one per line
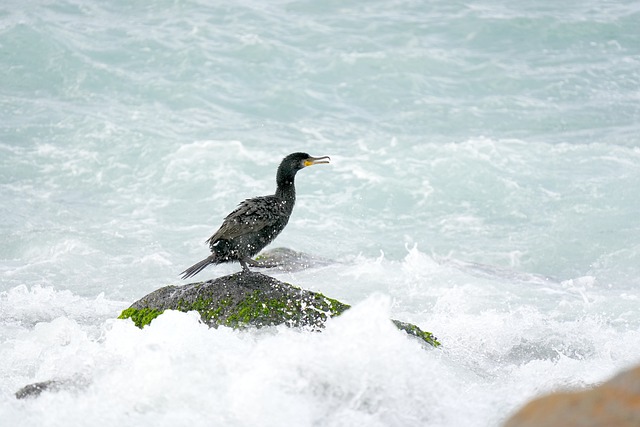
point(256, 222)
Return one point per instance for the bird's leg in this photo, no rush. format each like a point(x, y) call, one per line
point(245, 267)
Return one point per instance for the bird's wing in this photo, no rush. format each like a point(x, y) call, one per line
point(250, 216)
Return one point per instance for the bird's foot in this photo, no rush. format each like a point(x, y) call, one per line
point(246, 262)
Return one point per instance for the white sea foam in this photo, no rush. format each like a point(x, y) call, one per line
point(244, 378)
point(32, 305)
point(359, 370)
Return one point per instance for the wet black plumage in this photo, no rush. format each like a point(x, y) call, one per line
point(256, 222)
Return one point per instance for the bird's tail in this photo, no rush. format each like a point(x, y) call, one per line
point(198, 267)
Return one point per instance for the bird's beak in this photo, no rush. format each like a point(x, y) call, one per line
point(316, 160)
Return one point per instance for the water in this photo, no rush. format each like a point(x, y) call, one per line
point(484, 185)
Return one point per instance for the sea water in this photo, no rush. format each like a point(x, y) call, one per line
point(484, 185)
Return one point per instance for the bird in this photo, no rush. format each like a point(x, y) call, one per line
point(256, 221)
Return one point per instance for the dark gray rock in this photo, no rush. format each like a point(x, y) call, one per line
point(33, 390)
point(289, 260)
point(239, 300)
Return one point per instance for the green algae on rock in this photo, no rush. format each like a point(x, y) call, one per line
point(249, 299)
point(140, 317)
point(412, 329)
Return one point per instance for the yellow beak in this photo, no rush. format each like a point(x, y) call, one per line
point(316, 160)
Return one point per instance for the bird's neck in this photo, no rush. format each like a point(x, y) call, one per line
point(286, 191)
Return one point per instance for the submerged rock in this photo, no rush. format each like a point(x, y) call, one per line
point(249, 299)
point(34, 390)
point(614, 403)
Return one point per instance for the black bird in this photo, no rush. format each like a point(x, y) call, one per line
point(256, 222)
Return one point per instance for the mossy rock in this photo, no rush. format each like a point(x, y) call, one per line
point(239, 300)
point(249, 299)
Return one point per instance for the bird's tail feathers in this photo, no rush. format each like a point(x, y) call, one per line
point(198, 267)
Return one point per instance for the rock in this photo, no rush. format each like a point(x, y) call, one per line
point(613, 403)
point(239, 300)
point(249, 299)
point(33, 390)
point(289, 260)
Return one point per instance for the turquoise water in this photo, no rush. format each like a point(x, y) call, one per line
point(484, 185)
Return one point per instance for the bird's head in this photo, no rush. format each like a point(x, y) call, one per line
point(297, 161)
point(291, 164)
